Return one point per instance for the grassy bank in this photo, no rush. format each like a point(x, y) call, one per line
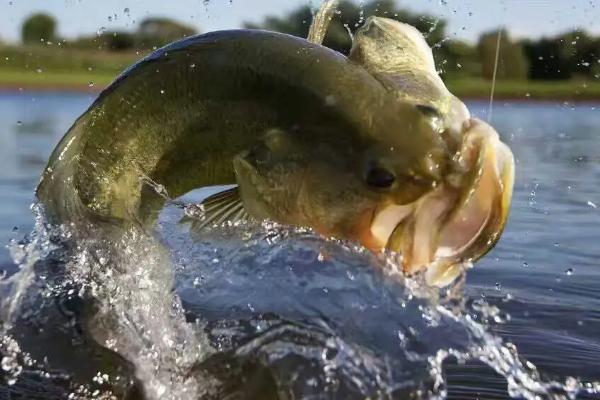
point(53, 80)
point(527, 90)
point(62, 68)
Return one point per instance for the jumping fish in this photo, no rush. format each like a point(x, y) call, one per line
point(371, 147)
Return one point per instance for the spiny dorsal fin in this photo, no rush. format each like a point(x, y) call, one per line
point(221, 207)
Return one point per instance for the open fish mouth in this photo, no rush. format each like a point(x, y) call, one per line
point(462, 218)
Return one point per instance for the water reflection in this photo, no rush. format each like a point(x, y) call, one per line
point(30, 126)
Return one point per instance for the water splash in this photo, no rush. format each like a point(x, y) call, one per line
point(124, 285)
point(199, 313)
point(321, 21)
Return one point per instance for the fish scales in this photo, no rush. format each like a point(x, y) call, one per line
point(212, 94)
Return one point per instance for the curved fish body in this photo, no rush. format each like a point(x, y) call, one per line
point(357, 148)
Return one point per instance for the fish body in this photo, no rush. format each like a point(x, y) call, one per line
point(357, 148)
point(181, 115)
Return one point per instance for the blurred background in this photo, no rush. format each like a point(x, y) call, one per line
point(549, 49)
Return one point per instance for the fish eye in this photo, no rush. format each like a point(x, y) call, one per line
point(428, 110)
point(380, 178)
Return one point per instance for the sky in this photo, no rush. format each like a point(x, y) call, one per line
point(466, 18)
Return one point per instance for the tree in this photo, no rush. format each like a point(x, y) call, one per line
point(512, 63)
point(580, 52)
point(564, 56)
point(545, 60)
point(348, 19)
point(456, 58)
point(117, 41)
point(161, 31)
point(38, 27)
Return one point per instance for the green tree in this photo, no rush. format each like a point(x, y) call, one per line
point(456, 58)
point(117, 41)
point(545, 60)
point(512, 63)
point(161, 31)
point(580, 52)
point(565, 56)
point(38, 27)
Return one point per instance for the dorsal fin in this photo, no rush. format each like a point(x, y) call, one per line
point(385, 45)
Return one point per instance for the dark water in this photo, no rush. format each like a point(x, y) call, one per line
point(544, 273)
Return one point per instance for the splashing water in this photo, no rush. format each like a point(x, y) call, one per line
point(321, 20)
point(183, 314)
point(253, 309)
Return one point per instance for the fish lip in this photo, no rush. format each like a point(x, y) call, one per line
point(386, 220)
point(490, 193)
point(454, 224)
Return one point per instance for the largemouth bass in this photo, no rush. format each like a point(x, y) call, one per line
point(370, 147)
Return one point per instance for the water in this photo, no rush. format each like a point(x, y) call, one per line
point(268, 311)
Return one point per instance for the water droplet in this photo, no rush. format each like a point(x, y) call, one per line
point(498, 286)
point(162, 91)
point(7, 363)
point(39, 70)
point(126, 10)
point(592, 204)
point(19, 123)
point(526, 264)
point(91, 84)
point(192, 65)
point(569, 271)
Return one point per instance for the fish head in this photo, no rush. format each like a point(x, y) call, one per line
point(413, 173)
point(467, 169)
point(461, 218)
point(307, 178)
point(436, 205)
point(443, 197)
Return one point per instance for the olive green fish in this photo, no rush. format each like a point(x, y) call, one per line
point(370, 147)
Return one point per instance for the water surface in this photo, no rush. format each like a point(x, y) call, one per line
point(544, 275)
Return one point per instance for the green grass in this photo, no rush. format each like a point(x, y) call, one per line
point(526, 90)
point(61, 58)
point(59, 67)
point(54, 79)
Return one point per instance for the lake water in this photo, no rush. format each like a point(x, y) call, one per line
point(544, 273)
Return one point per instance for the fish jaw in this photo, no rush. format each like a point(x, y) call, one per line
point(461, 219)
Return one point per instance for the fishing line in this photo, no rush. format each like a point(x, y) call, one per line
point(491, 106)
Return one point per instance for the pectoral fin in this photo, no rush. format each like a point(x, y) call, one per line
point(221, 207)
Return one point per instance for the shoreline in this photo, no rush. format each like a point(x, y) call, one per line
point(468, 95)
